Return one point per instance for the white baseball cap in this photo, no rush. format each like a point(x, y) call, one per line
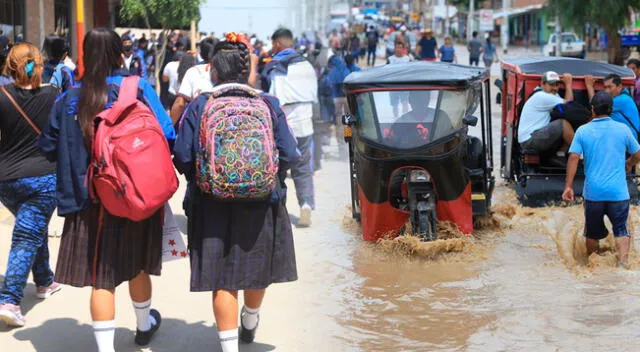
point(403, 28)
point(550, 77)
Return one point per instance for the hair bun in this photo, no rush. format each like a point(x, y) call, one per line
point(238, 38)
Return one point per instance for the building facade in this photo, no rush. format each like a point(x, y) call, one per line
point(33, 20)
point(529, 20)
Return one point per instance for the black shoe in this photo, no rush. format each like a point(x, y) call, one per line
point(246, 335)
point(144, 337)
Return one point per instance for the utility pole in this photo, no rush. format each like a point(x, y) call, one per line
point(303, 9)
point(447, 30)
point(316, 15)
point(193, 36)
point(324, 16)
point(350, 13)
point(470, 19)
point(504, 28)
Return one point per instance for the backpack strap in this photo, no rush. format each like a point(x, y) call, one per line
point(127, 97)
point(20, 111)
point(630, 123)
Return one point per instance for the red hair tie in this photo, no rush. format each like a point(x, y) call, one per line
point(233, 37)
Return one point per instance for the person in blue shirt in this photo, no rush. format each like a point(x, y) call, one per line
point(624, 108)
point(351, 65)
point(447, 52)
point(604, 143)
point(4, 79)
point(427, 46)
point(123, 250)
point(55, 71)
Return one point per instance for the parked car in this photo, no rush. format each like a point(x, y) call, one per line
point(565, 44)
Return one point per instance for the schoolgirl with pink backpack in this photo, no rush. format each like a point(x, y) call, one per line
point(111, 139)
point(234, 147)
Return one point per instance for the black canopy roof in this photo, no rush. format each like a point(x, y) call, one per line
point(576, 67)
point(437, 73)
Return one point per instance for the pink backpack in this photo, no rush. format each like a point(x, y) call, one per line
point(237, 158)
point(131, 170)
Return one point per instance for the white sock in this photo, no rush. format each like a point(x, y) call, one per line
point(250, 317)
point(229, 340)
point(143, 319)
point(105, 331)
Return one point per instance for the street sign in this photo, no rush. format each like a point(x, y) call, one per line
point(415, 17)
point(486, 20)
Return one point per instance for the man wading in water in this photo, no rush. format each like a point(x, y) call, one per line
point(604, 144)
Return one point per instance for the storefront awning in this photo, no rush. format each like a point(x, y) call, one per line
point(518, 11)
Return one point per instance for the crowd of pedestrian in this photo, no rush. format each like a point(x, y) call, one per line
point(287, 97)
point(57, 151)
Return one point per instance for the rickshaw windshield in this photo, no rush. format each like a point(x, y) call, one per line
point(410, 119)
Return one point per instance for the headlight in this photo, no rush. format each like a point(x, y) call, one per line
point(419, 176)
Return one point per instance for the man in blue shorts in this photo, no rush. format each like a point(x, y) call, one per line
point(604, 143)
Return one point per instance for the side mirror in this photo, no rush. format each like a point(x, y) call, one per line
point(498, 83)
point(348, 120)
point(470, 120)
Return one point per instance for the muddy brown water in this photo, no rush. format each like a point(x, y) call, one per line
point(522, 283)
point(525, 285)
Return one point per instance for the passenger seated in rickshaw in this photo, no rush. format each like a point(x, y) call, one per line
point(536, 133)
point(415, 128)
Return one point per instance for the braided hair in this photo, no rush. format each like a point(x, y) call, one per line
point(231, 63)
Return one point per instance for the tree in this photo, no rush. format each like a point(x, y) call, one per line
point(169, 13)
point(610, 15)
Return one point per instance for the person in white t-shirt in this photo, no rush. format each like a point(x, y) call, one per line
point(536, 132)
point(170, 74)
point(400, 56)
point(197, 80)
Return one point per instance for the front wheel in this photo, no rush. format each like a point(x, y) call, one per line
point(353, 175)
point(425, 223)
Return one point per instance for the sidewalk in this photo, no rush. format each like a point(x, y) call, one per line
point(291, 319)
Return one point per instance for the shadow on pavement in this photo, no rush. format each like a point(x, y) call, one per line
point(65, 334)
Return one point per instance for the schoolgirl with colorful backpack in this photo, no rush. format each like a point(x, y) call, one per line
point(234, 146)
point(110, 137)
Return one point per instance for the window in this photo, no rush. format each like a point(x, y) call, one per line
point(411, 119)
point(12, 19)
point(62, 15)
point(568, 38)
point(552, 40)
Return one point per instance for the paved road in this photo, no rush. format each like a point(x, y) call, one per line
point(290, 319)
point(294, 317)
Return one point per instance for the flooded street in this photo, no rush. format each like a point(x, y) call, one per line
point(521, 288)
point(525, 285)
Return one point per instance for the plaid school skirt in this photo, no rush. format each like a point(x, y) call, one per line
point(239, 245)
point(104, 260)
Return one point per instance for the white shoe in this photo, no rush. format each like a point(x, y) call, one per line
point(305, 216)
point(11, 315)
point(46, 292)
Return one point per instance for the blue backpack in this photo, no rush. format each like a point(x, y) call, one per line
point(53, 74)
